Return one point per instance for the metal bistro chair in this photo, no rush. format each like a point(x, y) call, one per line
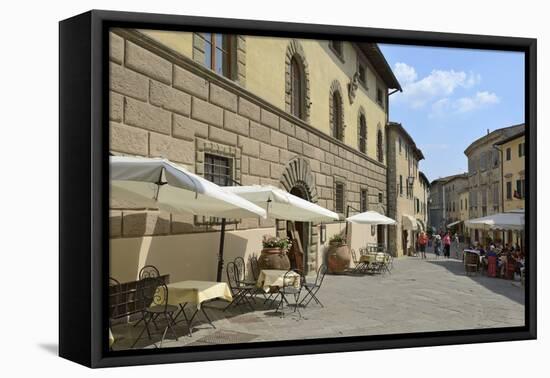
point(154, 293)
point(241, 272)
point(114, 296)
point(289, 289)
point(359, 265)
point(313, 287)
point(238, 291)
point(149, 271)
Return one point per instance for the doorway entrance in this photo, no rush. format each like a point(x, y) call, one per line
point(299, 234)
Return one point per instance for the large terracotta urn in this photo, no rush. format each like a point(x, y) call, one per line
point(338, 257)
point(273, 258)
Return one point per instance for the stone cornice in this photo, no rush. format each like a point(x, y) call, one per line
point(178, 59)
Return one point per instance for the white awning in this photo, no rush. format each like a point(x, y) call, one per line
point(159, 183)
point(501, 221)
point(420, 225)
point(409, 222)
point(280, 204)
point(454, 223)
point(370, 217)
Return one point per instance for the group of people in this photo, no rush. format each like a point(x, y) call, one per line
point(441, 243)
point(504, 254)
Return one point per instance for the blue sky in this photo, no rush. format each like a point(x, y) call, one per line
point(451, 97)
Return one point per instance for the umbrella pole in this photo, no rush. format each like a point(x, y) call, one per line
point(220, 253)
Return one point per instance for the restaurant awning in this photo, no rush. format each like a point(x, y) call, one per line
point(280, 204)
point(160, 183)
point(370, 217)
point(420, 225)
point(409, 222)
point(501, 221)
point(454, 223)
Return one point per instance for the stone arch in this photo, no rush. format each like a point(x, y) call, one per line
point(295, 50)
point(297, 174)
point(335, 87)
point(362, 113)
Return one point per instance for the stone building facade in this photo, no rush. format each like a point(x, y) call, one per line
point(405, 190)
point(513, 171)
point(484, 174)
point(164, 102)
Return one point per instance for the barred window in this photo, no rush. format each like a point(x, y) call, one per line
point(339, 197)
point(218, 170)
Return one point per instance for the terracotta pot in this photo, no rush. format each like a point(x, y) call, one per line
point(273, 258)
point(338, 257)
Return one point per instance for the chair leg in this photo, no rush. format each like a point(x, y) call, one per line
point(169, 320)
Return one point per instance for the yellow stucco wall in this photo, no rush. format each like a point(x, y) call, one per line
point(265, 77)
point(184, 256)
point(512, 170)
point(177, 41)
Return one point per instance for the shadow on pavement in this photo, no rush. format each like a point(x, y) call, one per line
point(510, 289)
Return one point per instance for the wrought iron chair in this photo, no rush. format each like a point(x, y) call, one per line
point(290, 289)
point(254, 267)
point(239, 292)
point(114, 301)
point(154, 293)
point(313, 287)
point(149, 271)
point(241, 272)
point(359, 265)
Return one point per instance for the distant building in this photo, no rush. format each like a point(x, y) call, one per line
point(484, 174)
point(444, 201)
point(513, 171)
point(513, 176)
point(406, 192)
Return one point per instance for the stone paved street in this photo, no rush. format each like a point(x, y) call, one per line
point(418, 296)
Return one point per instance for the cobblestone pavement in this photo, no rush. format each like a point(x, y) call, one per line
point(418, 296)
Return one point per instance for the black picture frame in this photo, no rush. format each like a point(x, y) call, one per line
point(83, 196)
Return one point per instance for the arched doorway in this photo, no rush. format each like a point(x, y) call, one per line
point(299, 233)
point(298, 180)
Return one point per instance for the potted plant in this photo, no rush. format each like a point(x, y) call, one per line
point(273, 255)
point(338, 255)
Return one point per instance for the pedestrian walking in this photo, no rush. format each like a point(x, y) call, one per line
point(447, 245)
point(457, 244)
point(422, 241)
point(437, 246)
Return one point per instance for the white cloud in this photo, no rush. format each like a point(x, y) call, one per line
point(479, 100)
point(404, 73)
point(463, 104)
point(438, 84)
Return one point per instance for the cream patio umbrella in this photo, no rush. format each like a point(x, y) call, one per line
point(371, 217)
point(501, 221)
point(159, 183)
point(280, 204)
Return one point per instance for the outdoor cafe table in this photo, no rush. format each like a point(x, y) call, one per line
point(196, 292)
point(269, 278)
